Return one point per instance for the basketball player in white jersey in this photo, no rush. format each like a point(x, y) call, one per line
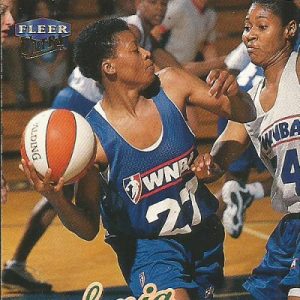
point(269, 35)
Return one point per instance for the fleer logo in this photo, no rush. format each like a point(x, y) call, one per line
point(41, 36)
point(133, 187)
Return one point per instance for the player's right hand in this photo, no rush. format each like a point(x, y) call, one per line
point(222, 82)
point(205, 168)
point(43, 186)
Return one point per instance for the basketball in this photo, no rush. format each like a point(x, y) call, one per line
point(61, 140)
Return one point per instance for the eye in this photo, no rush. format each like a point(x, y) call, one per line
point(247, 28)
point(263, 27)
point(135, 50)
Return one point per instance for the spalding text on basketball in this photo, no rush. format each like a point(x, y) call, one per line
point(35, 155)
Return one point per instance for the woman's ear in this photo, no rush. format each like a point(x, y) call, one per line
point(108, 67)
point(291, 29)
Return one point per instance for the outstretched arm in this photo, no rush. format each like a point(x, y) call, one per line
point(221, 95)
point(230, 144)
point(228, 147)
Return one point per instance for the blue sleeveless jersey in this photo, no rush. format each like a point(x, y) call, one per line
point(152, 192)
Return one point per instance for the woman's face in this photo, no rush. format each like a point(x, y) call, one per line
point(6, 18)
point(132, 63)
point(264, 35)
point(153, 11)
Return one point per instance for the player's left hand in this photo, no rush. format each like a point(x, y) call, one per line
point(205, 168)
point(222, 82)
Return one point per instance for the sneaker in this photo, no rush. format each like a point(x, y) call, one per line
point(237, 198)
point(15, 277)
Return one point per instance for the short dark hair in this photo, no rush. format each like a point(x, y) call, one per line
point(286, 10)
point(95, 43)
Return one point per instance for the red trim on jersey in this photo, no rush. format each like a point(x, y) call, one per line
point(165, 186)
point(279, 120)
point(285, 141)
point(168, 162)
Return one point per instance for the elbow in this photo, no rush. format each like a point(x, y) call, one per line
point(253, 114)
point(242, 108)
point(249, 115)
point(90, 234)
point(88, 237)
point(244, 115)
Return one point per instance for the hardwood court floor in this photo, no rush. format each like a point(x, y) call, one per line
point(71, 264)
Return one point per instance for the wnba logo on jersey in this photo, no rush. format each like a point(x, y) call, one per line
point(166, 175)
point(133, 187)
point(281, 131)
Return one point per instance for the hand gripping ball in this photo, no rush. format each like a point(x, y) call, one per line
point(61, 140)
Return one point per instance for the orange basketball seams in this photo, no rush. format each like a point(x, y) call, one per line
point(60, 141)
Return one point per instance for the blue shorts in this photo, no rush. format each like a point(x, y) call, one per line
point(70, 99)
point(170, 263)
point(280, 269)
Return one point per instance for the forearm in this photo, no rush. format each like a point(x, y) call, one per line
point(76, 219)
point(210, 51)
point(222, 154)
point(230, 145)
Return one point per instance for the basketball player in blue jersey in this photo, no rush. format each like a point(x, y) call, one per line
point(160, 219)
point(270, 34)
point(75, 97)
point(80, 96)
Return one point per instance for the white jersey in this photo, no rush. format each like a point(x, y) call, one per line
point(87, 87)
point(276, 137)
point(189, 29)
